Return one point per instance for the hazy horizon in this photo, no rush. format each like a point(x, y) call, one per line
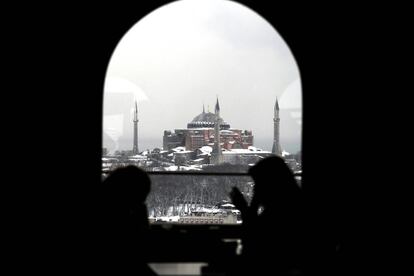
point(187, 53)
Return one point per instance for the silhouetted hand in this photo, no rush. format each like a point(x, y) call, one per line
point(238, 200)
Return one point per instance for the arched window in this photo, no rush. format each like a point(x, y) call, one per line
point(195, 93)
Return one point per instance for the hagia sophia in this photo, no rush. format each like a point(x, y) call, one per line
point(229, 145)
point(200, 132)
point(207, 140)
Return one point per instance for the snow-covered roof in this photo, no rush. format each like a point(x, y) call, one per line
point(228, 205)
point(178, 149)
point(168, 218)
point(207, 210)
point(246, 151)
point(198, 160)
point(202, 128)
point(171, 168)
point(140, 157)
point(183, 168)
point(185, 151)
point(206, 149)
point(107, 159)
point(226, 131)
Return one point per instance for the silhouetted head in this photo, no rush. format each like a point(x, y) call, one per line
point(274, 182)
point(124, 213)
point(126, 186)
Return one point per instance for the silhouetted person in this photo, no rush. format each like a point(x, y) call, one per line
point(125, 221)
point(273, 223)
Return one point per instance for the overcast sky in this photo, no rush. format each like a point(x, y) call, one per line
point(188, 52)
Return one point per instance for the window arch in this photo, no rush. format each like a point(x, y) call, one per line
point(201, 86)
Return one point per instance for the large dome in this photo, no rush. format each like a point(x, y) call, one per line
point(206, 119)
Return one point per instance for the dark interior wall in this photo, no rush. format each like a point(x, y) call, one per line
point(60, 125)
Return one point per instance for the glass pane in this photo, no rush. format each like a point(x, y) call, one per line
point(201, 86)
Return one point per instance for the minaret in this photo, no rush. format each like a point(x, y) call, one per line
point(216, 153)
point(276, 149)
point(135, 148)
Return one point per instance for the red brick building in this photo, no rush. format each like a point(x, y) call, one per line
point(200, 132)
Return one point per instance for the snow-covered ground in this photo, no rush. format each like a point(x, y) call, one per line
point(186, 210)
point(166, 218)
point(183, 168)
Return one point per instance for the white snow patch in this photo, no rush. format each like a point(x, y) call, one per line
point(206, 149)
point(168, 218)
point(284, 153)
point(178, 149)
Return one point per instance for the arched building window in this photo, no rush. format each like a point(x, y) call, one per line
point(200, 86)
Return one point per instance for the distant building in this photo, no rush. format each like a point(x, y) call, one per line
point(245, 156)
point(174, 139)
point(200, 217)
point(201, 131)
point(182, 156)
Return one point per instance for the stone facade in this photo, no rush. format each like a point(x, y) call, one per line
point(201, 131)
